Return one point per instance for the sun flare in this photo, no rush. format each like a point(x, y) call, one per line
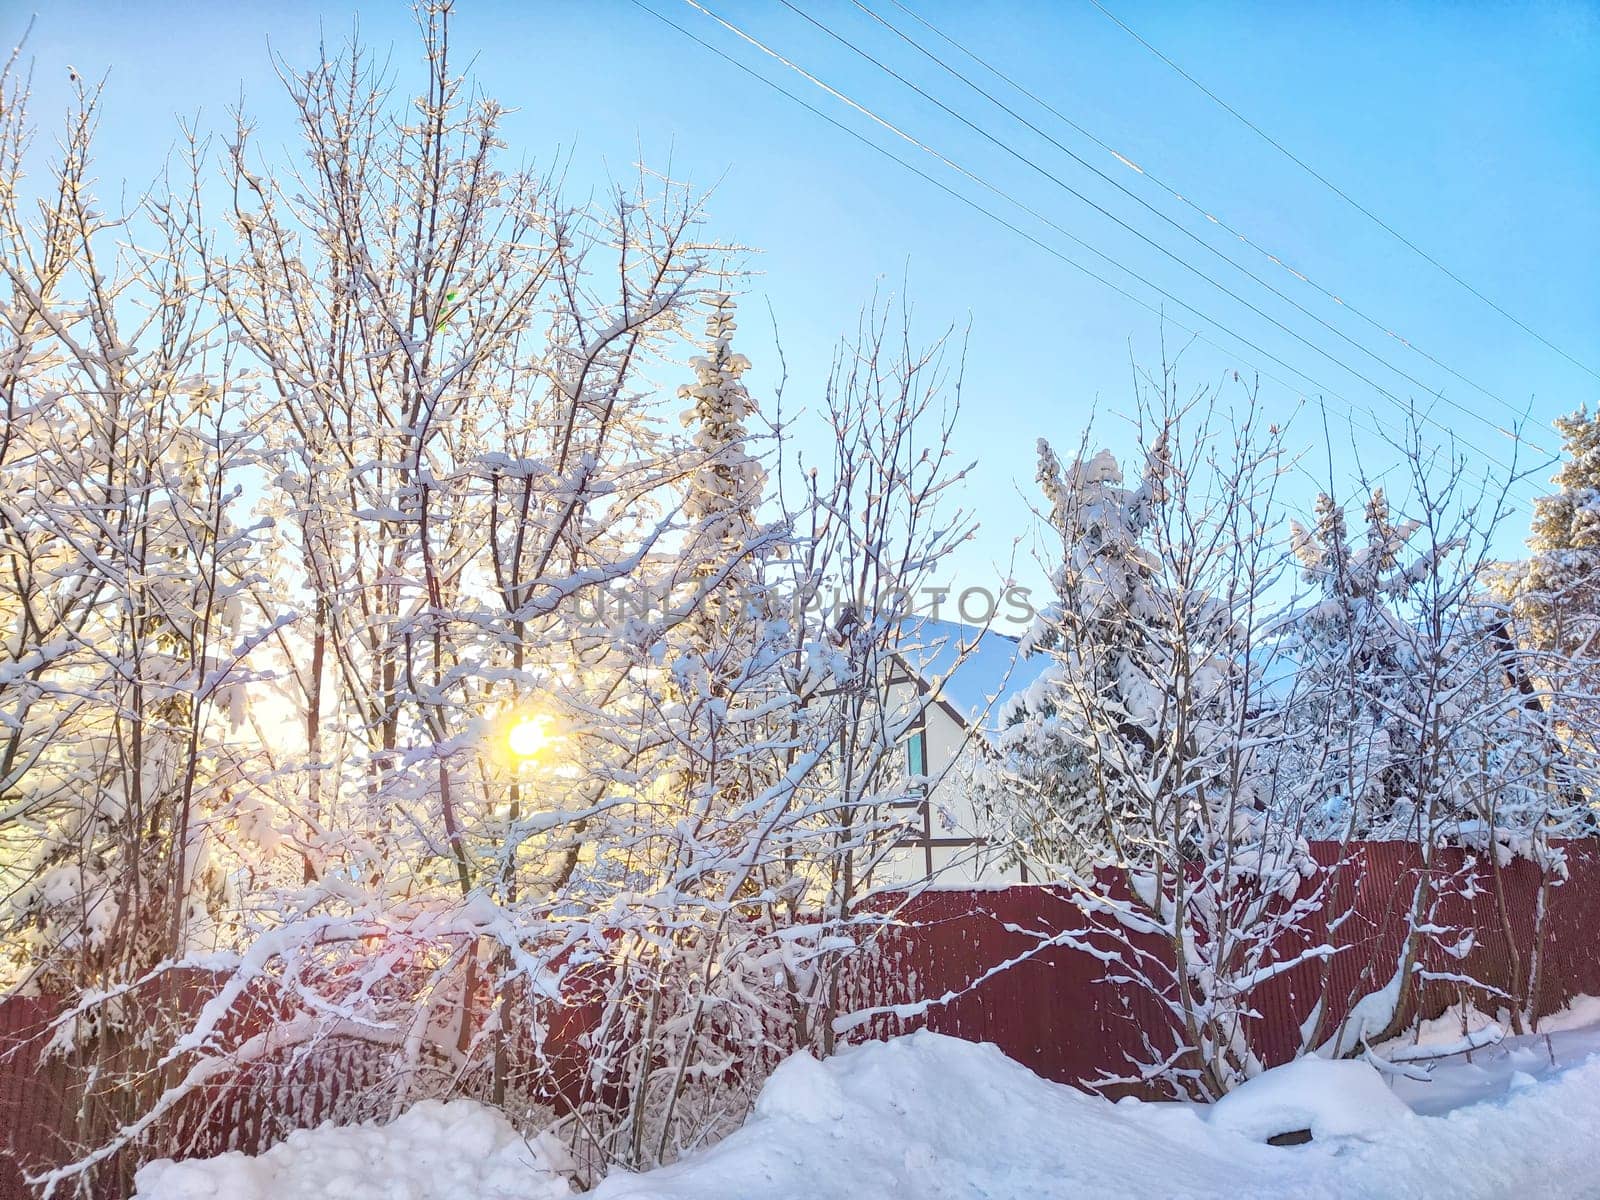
point(529, 737)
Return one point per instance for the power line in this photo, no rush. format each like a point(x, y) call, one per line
point(1382, 431)
point(967, 200)
point(1149, 241)
point(1036, 215)
point(1340, 192)
point(987, 185)
point(1185, 200)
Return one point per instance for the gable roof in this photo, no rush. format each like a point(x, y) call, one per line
point(976, 689)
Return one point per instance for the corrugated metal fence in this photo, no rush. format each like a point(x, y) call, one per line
point(1053, 1010)
point(49, 1099)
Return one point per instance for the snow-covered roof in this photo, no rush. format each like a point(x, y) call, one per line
point(978, 686)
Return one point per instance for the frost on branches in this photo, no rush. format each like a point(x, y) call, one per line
point(127, 569)
point(1141, 781)
point(1204, 717)
point(387, 677)
point(1104, 637)
point(318, 501)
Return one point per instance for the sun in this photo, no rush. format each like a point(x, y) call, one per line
point(529, 737)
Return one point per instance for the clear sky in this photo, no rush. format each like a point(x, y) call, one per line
point(1473, 129)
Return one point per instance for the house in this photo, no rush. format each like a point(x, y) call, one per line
point(966, 677)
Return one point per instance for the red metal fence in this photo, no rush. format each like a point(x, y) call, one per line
point(1054, 1010)
point(49, 1099)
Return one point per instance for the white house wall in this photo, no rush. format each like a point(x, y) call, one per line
point(951, 814)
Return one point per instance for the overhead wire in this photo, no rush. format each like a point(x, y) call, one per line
point(1342, 194)
point(1039, 216)
point(1209, 216)
point(1381, 431)
point(1162, 249)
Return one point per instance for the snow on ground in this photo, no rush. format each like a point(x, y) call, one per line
point(1564, 1039)
point(1339, 1099)
point(460, 1150)
point(926, 1117)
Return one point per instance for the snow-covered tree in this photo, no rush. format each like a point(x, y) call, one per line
point(1408, 724)
point(1355, 762)
point(464, 807)
point(123, 446)
point(1104, 637)
point(1137, 776)
point(876, 520)
point(1559, 588)
point(127, 645)
point(1554, 602)
point(707, 800)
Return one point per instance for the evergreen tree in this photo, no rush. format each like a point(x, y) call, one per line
point(1351, 756)
point(1559, 592)
point(724, 490)
point(1555, 594)
point(1103, 636)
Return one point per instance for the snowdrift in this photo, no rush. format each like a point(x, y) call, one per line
point(460, 1150)
point(927, 1117)
point(1329, 1099)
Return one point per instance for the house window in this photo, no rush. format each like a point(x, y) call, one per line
point(917, 753)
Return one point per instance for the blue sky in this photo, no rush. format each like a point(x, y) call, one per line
point(1472, 129)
